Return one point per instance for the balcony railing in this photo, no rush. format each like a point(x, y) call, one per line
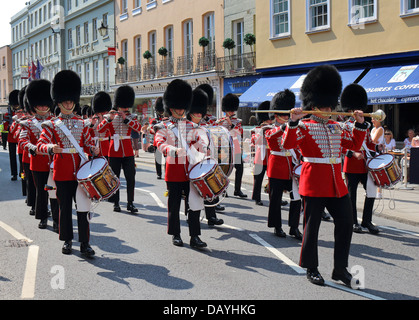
point(93, 88)
point(204, 61)
point(237, 64)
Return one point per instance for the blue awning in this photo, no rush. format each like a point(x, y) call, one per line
point(266, 88)
point(392, 85)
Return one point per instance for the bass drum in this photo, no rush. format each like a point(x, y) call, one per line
point(221, 146)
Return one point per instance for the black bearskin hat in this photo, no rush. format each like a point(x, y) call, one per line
point(101, 102)
point(124, 97)
point(178, 95)
point(209, 91)
point(158, 106)
point(21, 97)
point(86, 110)
point(321, 88)
point(230, 102)
point(38, 93)
point(283, 100)
point(14, 98)
point(66, 86)
point(199, 102)
point(262, 117)
point(354, 97)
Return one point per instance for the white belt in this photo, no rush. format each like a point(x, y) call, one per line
point(100, 139)
point(323, 160)
point(69, 150)
point(281, 153)
point(122, 137)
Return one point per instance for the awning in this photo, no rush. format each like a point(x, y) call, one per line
point(266, 88)
point(392, 85)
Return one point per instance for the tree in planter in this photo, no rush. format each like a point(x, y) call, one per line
point(229, 44)
point(163, 52)
point(147, 69)
point(121, 61)
point(204, 42)
point(147, 55)
point(250, 40)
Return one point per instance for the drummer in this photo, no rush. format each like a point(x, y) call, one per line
point(197, 114)
point(354, 97)
point(174, 137)
point(64, 137)
point(280, 169)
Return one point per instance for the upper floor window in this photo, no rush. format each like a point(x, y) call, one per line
point(188, 38)
point(318, 15)
point(124, 6)
point(209, 26)
point(409, 7)
point(362, 11)
point(169, 41)
point(280, 18)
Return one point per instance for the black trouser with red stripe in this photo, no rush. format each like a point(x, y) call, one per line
point(353, 179)
point(276, 189)
point(341, 211)
point(258, 175)
point(30, 186)
point(66, 193)
point(41, 200)
point(128, 165)
point(176, 189)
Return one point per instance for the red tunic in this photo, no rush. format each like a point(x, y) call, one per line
point(261, 147)
point(101, 139)
point(31, 130)
point(352, 164)
point(322, 140)
point(168, 142)
point(280, 165)
point(120, 133)
point(66, 164)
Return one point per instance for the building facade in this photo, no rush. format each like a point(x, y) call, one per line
point(370, 42)
point(53, 35)
point(6, 82)
point(162, 40)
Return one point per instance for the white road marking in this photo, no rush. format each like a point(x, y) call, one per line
point(14, 233)
point(28, 288)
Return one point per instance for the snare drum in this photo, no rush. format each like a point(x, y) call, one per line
point(97, 179)
point(209, 179)
point(384, 170)
point(222, 149)
point(297, 172)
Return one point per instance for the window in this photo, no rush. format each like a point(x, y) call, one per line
point(86, 32)
point(238, 27)
point(69, 5)
point(124, 45)
point(138, 53)
point(105, 22)
point(95, 71)
point(280, 18)
point(362, 11)
point(87, 73)
point(78, 36)
point(94, 29)
point(124, 6)
point(409, 7)
point(210, 30)
point(169, 41)
point(188, 38)
point(318, 15)
point(152, 44)
point(70, 38)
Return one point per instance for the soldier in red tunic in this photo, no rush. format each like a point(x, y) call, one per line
point(158, 157)
point(65, 137)
point(261, 151)
point(321, 184)
point(120, 122)
point(174, 137)
point(12, 139)
point(281, 166)
point(230, 105)
point(40, 103)
point(354, 97)
point(101, 105)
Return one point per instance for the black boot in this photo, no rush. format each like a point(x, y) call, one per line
point(197, 243)
point(116, 207)
point(131, 207)
point(67, 247)
point(86, 250)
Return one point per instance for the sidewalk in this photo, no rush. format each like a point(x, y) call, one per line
point(397, 204)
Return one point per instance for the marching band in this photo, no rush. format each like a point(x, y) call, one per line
point(295, 149)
